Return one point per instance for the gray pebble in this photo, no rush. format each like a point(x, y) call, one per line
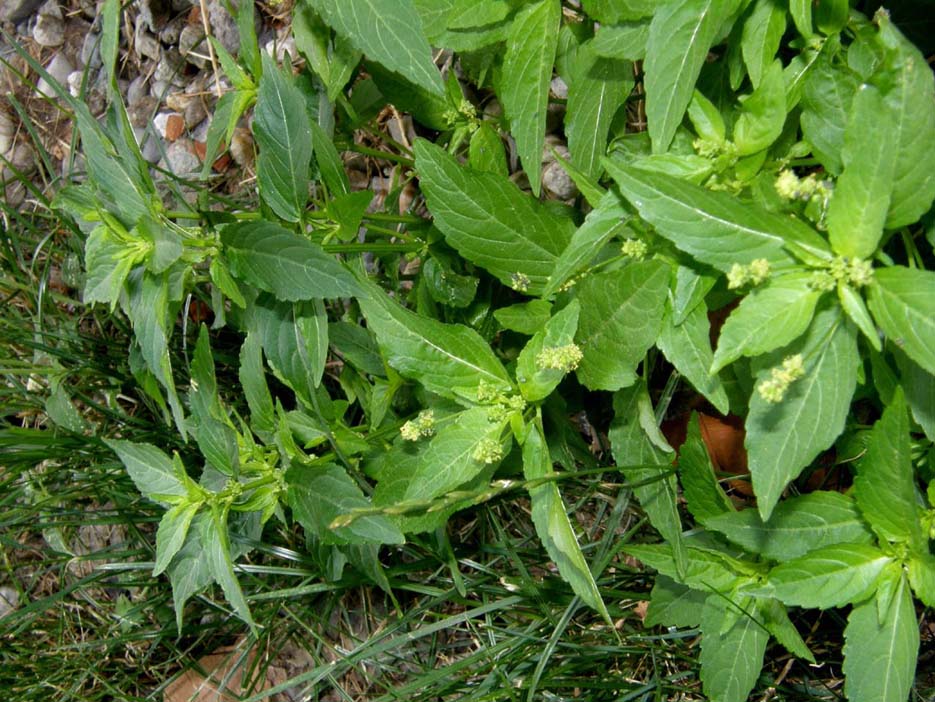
point(50, 26)
point(58, 68)
point(17, 10)
point(223, 26)
point(145, 43)
point(181, 160)
point(193, 46)
point(90, 54)
point(9, 600)
point(137, 90)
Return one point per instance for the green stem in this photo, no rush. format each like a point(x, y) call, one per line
point(373, 248)
point(386, 155)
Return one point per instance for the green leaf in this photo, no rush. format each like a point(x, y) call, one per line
point(289, 266)
point(598, 88)
point(552, 524)
point(885, 483)
point(333, 61)
point(798, 525)
point(608, 219)
point(831, 16)
point(908, 92)
point(173, 529)
point(690, 290)
point(880, 656)
point(217, 442)
point(357, 346)
point(715, 227)
point(762, 113)
point(527, 73)
point(782, 438)
point(490, 221)
point(706, 118)
point(280, 125)
point(450, 360)
point(203, 395)
point(624, 42)
point(449, 461)
point(902, 301)
point(680, 35)
point(188, 571)
point(761, 36)
point(827, 95)
point(253, 382)
point(320, 494)
point(227, 113)
point(388, 31)
point(295, 340)
point(705, 498)
point(687, 346)
point(107, 265)
point(155, 474)
point(831, 576)
point(62, 410)
point(524, 317)
point(862, 193)
point(621, 313)
point(856, 309)
point(703, 570)
point(536, 383)
point(731, 658)
point(802, 16)
point(777, 622)
point(769, 317)
point(447, 287)
point(215, 542)
point(329, 162)
point(486, 153)
point(674, 604)
point(477, 13)
point(919, 387)
point(922, 577)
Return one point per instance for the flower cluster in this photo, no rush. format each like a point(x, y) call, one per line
point(635, 248)
point(774, 389)
point(563, 358)
point(488, 451)
point(791, 187)
point(519, 282)
point(753, 274)
point(851, 271)
point(422, 425)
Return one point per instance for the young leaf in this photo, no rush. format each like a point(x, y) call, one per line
point(524, 317)
point(769, 317)
point(598, 87)
point(902, 301)
point(922, 577)
point(329, 162)
point(621, 312)
point(281, 128)
point(536, 382)
point(552, 523)
point(674, 604)
point(885, 483)
point(490, 221)
point(155, 474)
point(762, 113)
point(173, 529)
point(486, 153)
point(289, 266)
point(107, 265)
point(680, 35)
point(450, 360)
point(802, 16)
point(832, 576)
point(782, 438)
point(715, 227)
point(452, 458)
point(798, 525)
point(320, 494)
point(189, 572)
point(217, 442)
point(731, 658)
point(777, 622)
point(826, 105)
point(706, 499)
point(333, 61)
point(527, 72)
point(253, 382)
point(880, 656)
point(911, 121)
point(856, 309)
point(388, 31)
point(919, 387)
point(762, 33)
point(861, 196)
point(215, 542)
point(687, 346)
point(706, 118)
point(703, 570)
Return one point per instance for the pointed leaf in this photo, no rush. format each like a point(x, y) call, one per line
point(217, 554)
point(731, 659)
point(155, 474)
point(705, 498)
point(674, 604)
point(762, 114)
point(173, 529)
point(687, 346)
point(902, 301)
point(253, 381)
point(922, 578)
point(826, 104)
point(761, 36)
point(537, 383)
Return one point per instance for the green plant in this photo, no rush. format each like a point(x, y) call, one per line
point(796, 190)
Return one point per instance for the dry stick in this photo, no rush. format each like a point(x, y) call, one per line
point(214, 61)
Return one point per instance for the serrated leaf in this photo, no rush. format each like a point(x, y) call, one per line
point(715, 227)
point(674, 604)
point(253, 382)
point(885, 483)
point(880, 657)
point(527, 72)
point(552, 524)
point(687, 346)
point(189, 572)
point(730, 659)
point(762, 33)
point(333, 61)
point(172, 532)
point(598, 87)
point(278, 261)
point(215, 542)
point(449, 461)
point(861, 195)
point(771, 316)
point(625, 42)
point(388, 31)
point(490, 221)
point(922, 577)
point(621, 313)
point(762, 114)
point(902, 301)
point(320, 494)
point(608, 219)
point(831, 576)
point(107, 265)
point(524, 317)
point(690, 290)
point(537, 383)
point(280, 125)
point(908, 91)
point(705, 498)
point(919, 387)
point(703, 570)
point(680, 35)
point(155, 474)
point(782, 438)
point(486, 152)
point(329, 162)
point(777, 622)
point(826, 104)
point(798, 525)
point(450, 360)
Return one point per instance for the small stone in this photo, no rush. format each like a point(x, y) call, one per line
point(172, 31)
point(557, 182)
point(58, 68)
point(169, 68)
point(9, 600)
point(141, 111)
point(23, 158)
point(175, 125)
point(7, 131)
point(280, 47)
point(181, 159)
point(137, 90)
point(559, 88)
point(150, 146)
point(223, 26)
point(75, 79)
point(90, 54)
point(145, 43)
point(193, 46)
point(50, 26)
point(16, 11)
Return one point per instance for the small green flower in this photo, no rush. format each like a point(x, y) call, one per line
point(563, 358)
point(488, 451)
point(736, 276)
point(635, 248)
point(787, 185)
point(774, 389)
point(422, 425)
point(822, 281)
point(755, 273)
point(859, 272)
point(519, 282)
point(758, 270)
